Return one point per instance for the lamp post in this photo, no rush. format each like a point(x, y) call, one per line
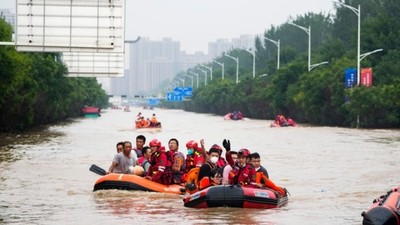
point(183, 82)
point(210, 69)
point(362, 56)
point(205, 76)
point(222, 66)
point(308, 31)
point(358, 13)
point(237, 66)
point(197, 75)
point(278, 44)
point(254, 60)
point(189, 77)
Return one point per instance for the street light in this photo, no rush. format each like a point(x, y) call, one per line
point(362, 56)
point(197, 75)
point(210, 69)
point(358, 13)
point(308, 31)
point(183, 82)
point(278, 44)
point(189, 77)
point(254, 60)
point(237, 66)
point(205, 76)
point(222, 66)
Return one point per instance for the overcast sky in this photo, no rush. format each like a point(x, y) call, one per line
point(196, 22)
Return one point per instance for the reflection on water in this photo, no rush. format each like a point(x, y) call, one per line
point(333, 174)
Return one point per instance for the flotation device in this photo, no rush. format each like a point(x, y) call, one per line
point(133, 182)
point(385, 210)
point(260, 177)
point(235, 196)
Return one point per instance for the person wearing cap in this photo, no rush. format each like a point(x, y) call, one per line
point(243, 172)
point(194, 156)
point(221, 160)
point(160, 169)
point(124, 160)
point(209, 173)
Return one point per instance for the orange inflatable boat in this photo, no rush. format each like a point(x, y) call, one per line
point(385, 210)
point(133, 182)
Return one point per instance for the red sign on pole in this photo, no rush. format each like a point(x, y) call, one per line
point(366, 77)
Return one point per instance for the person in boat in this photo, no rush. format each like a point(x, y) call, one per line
point(145, 159)
point(138, 120)
point(239, 115)
point(255, 160)
point(177, 160)
point(160, 169)
point(120, 147)
point(221, 160)
point(243, 172)
point(123, 160)
point(194, 156)
point(140, 142)
point(209, 173)
point(262, 178)
point(154, 122)
point(228, 168)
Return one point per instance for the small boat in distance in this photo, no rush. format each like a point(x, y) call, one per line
point(90, 112)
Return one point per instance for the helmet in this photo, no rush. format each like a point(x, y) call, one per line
point(217, 147)
point(155, 143)
point(192, 144)
point(244, 152)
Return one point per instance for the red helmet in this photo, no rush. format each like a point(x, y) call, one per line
point(192, 144)
point(155, 143)
point(215, 146)
point(244, 152)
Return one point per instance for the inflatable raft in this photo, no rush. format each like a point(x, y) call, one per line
point(235, 196)
point(133, 182)
point(385, 210)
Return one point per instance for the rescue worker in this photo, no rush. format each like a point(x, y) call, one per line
point(160, 169)
point(243, 172)
point(194, 157)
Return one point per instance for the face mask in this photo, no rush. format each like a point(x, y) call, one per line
point(214, 159)
point(190, 151)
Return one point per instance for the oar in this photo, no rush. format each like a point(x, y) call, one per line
point(98, 170)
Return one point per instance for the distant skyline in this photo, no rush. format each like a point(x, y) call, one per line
point(195, 23)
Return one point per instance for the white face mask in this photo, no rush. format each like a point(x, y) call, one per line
point(214, 159)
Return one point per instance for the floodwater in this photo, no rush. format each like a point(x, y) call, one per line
point(332, 174)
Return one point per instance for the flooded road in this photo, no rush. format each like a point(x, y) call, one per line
point(332, 174)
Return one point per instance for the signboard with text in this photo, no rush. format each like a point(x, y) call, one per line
point(350, 77)
point(366, 77)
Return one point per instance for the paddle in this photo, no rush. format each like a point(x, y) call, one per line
point(98, 170)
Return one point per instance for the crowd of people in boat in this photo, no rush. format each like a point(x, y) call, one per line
point(235, 115)
point(151, 122)
point(281, 121)
point(197, 170)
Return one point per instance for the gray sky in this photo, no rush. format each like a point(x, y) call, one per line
point(196, 22)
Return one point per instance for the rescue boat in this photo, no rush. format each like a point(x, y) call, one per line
point(385, 210)
point(134, 182)
point(235, 196)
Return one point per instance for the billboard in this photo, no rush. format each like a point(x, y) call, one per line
point(350, 77)
point(86, 64)
point(366, 77)
point(70, 26)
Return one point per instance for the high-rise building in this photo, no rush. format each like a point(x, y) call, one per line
point(215, 49)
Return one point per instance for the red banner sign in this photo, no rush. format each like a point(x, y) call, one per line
point(366, 77)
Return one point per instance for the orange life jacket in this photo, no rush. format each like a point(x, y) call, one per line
point(260, 177)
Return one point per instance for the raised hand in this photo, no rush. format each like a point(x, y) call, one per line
point(227, 145)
